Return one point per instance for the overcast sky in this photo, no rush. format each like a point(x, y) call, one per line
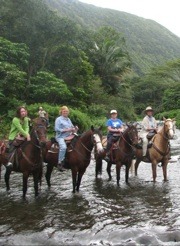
point(165, 12)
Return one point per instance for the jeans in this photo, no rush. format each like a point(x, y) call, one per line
point(145, 142)
point(110, 140)
point(62, 149)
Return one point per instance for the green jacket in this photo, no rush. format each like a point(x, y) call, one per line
point(19, 126)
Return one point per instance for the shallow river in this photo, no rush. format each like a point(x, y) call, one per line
point(143, 213)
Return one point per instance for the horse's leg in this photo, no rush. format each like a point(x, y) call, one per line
point(25, 179)
point(74, 178)
point(136, 165)
point(108, 169)
point(0, 170)
point(98, 168)
point(118, 168)
point(6, 178)
point(48, 174)
point(36, 174)
point(80, 174)
point(154, 173)
point(127, 172)
point(131, 168)
point(164, 168)
point(40, 176)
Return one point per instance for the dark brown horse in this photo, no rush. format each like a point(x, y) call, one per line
point(122, 153)
point(159, 152)
point(78, 158)
point(28, 157)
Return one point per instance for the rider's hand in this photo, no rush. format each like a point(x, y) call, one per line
point(28, 137)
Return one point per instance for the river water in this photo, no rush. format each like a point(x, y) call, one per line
point(142, 213)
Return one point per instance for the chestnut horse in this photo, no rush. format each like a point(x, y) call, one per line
point(122, 153)
point(28, 156)
point(159, 152)
point(78, 158)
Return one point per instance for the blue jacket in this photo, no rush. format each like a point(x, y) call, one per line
point(62, 123)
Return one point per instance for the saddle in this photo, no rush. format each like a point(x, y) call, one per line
point(55, 145)
point(18, 141)
point(151, 134)
point(115, 145)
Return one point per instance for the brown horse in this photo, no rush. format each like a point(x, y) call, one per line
point(3, 145)
point(78, 158)
point(159, 152)
point(28, 157)
point(122, 153)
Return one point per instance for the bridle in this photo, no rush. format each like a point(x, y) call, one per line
point(130, 138)
point(34, 129)
point(92, 141)
point(166, 137)
point(36, 135)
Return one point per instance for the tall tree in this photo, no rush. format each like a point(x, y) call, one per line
point(110, 58)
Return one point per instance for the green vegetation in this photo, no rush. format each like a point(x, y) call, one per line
point(47, 59)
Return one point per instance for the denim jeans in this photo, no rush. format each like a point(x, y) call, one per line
point(62, 149)
point(110, 140)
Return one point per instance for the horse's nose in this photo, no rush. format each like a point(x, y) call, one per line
point(171, 134)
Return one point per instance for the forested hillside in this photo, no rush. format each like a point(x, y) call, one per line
point(148, 42)
point(51, 60)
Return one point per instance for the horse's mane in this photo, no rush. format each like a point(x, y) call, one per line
point(85, 133)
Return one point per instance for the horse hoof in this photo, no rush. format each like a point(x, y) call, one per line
point(165, 180)
point(24, 198)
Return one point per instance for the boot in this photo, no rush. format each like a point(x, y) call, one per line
point(106, 158)
point(61, 167)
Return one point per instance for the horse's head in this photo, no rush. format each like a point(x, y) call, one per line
point(169, 127)
point(132, 134)
point(39, 131)
point(97, 139)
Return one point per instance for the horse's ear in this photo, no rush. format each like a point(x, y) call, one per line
point(100, 128)
point(164, 118)
point(129, 124)
point(174, 119)
point(92, 128)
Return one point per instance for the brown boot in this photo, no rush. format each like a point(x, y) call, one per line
point(61, 167)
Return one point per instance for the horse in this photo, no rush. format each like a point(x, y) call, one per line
point(28, 156)
point(77, 159)
point(3, 145)
point(122, 153)
point(159, 151)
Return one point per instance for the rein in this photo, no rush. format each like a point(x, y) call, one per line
point(126, 141)
point(75, 149)
point(157, 149)
point(38, 146)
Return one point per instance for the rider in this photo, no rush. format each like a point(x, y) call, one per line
point(19, 127)
point(63, 129)
point(114, 127)
point(43, 114)
point(148, 124)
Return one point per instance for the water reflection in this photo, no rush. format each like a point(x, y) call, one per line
point(136, 204)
